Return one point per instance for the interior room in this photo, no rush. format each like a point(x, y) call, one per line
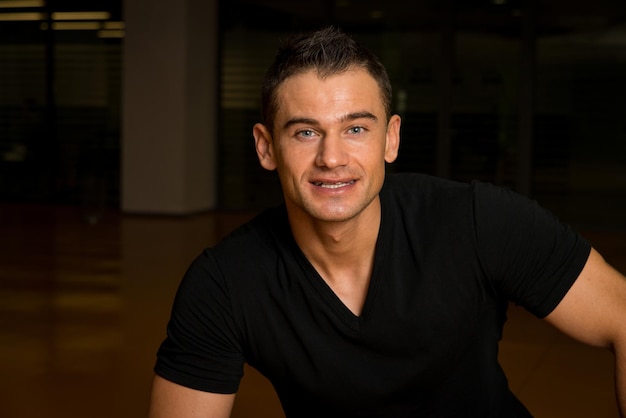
point(126, 148)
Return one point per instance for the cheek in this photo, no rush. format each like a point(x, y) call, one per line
point(295, 159)
point(373, 154)
point(290, 169)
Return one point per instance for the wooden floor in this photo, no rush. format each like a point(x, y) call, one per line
point(84, 302)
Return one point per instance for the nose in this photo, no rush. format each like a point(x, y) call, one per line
point(332, 152)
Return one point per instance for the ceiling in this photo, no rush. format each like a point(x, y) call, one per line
point(552, 16)
point(493, 16)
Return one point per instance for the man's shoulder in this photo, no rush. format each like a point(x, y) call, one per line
point(408, 179)
point(260, 232)
point(418, 186)
point(242, 262)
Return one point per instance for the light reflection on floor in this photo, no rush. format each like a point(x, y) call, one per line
point(83, 308)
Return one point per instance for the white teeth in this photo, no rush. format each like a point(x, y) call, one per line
point(333, 185)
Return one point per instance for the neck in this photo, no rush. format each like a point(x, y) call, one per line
point(341, 252)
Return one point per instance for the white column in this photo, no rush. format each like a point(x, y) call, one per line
point(170, 94)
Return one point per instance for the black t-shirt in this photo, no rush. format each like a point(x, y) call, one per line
point(449, 258)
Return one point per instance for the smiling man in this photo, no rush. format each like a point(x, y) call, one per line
point(366, 294)
point(329, 142)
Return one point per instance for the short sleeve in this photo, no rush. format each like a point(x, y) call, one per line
point(201, 350)
point(528, 254)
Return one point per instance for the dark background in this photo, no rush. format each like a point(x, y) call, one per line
point(527, 94)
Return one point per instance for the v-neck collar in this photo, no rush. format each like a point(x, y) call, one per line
point(329, 297)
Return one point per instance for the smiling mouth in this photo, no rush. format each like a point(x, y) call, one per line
point(335, 185)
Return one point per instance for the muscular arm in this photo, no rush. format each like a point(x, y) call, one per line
point(594, 312)
point(170, 400)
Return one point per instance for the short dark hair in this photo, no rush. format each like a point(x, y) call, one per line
point(329, 51)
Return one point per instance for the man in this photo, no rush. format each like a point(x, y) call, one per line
point(365, 294)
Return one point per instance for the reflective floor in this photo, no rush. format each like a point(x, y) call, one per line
point(84, 301)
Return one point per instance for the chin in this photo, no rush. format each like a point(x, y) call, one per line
point(334, 215)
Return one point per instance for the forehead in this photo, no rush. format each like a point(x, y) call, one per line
point(307, 92)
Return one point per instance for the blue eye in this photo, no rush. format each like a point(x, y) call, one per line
point(356, 130)
point(306, 134)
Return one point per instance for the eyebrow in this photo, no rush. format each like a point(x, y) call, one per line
point(344, 118)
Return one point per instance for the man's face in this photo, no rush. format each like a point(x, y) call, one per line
point(329, 145)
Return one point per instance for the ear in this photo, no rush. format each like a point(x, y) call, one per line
point(264, 146)
point(392, 143)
